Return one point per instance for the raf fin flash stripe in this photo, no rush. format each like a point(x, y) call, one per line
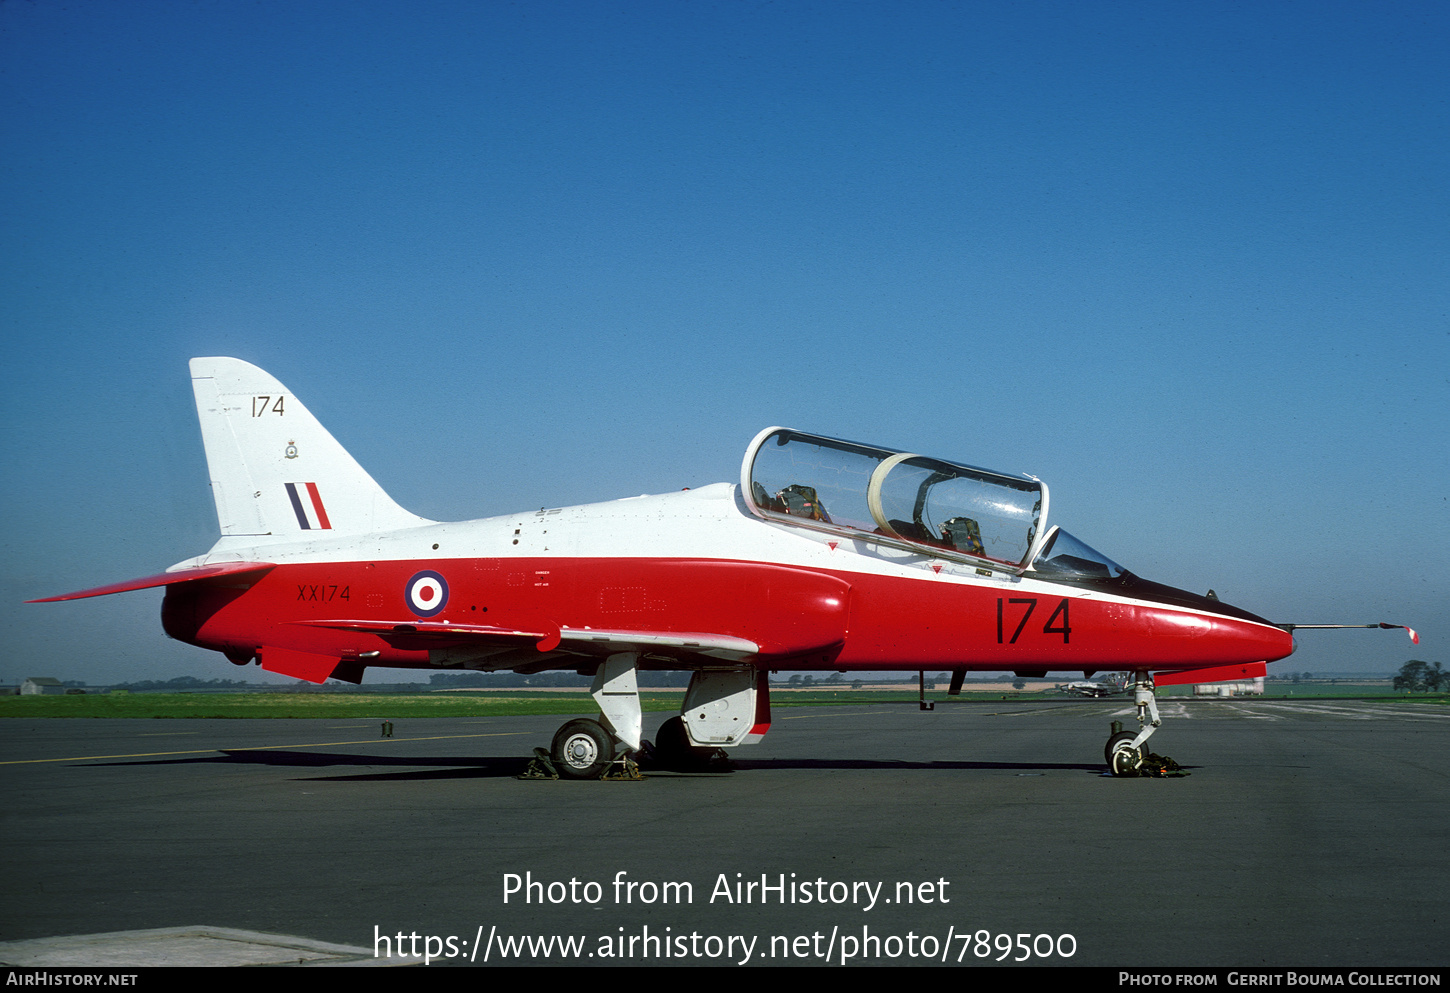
point(317, 521)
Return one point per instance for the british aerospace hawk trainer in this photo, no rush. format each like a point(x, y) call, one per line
point(828, 555)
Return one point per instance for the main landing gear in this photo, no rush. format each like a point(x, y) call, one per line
point(722, 708)
point(585, 749)
point(1125, 751)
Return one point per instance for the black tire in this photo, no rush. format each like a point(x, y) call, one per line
point(672, 749)
point(1129, 763)
point(582, 750)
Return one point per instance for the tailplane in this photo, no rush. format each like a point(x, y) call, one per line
point(275, 470)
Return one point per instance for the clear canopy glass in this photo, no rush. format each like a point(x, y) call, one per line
point(897, 497)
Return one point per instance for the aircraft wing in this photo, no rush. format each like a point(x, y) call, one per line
point(699, 647)
point(720, 647)
point(440, 634)
point(164, 579)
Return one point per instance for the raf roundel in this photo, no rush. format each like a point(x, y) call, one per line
point(427, 593)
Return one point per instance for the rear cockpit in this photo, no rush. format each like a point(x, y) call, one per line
point(895, 498)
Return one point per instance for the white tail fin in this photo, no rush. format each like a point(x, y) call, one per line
point(274, 468)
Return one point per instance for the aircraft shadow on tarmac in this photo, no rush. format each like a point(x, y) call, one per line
point(497, 767)
point(458, 766)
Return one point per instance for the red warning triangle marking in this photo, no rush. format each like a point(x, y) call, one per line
point(936, 569)
point(832, 544)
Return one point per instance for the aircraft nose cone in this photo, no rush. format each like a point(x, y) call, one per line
point(1214, 638)
point(1264, 641)
point(1248, 636)
point(1232, 632)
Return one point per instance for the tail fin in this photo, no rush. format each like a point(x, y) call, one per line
point(275, 470)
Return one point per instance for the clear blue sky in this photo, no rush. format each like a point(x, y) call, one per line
point(1189, 263)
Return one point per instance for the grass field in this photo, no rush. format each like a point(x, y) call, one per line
point(495, 703)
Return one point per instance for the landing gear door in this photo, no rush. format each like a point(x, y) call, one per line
point(722, 708)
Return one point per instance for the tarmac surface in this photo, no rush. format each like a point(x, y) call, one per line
point(1308, 834)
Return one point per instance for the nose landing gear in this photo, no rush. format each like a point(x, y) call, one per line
point(1125, 752)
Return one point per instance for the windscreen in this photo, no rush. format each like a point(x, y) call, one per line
point(1064, 555)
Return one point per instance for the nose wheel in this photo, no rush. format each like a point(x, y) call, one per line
point(1122, 757)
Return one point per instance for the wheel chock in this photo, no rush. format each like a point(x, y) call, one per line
point(541, 767)
point(622, 770)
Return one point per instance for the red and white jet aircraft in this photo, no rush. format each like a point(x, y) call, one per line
point(828, 555)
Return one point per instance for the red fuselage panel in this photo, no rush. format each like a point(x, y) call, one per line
point(789, 611)
point(808, 618)
point(903, 624)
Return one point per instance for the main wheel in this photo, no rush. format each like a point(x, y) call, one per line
point(672, 739)
point(1122, 758)
point(673, 749)
point(582, 750)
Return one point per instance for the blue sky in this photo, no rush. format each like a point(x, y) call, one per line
point(1185, 262)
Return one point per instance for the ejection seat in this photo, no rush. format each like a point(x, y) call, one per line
point(801, 501)
point(963, 534)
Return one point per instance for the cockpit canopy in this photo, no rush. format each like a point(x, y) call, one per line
point(894, 498)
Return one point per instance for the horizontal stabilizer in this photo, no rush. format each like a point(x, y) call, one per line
point(164, 579)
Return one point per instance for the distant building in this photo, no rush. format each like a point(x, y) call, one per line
point(1245, 687)
point(42, 686)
